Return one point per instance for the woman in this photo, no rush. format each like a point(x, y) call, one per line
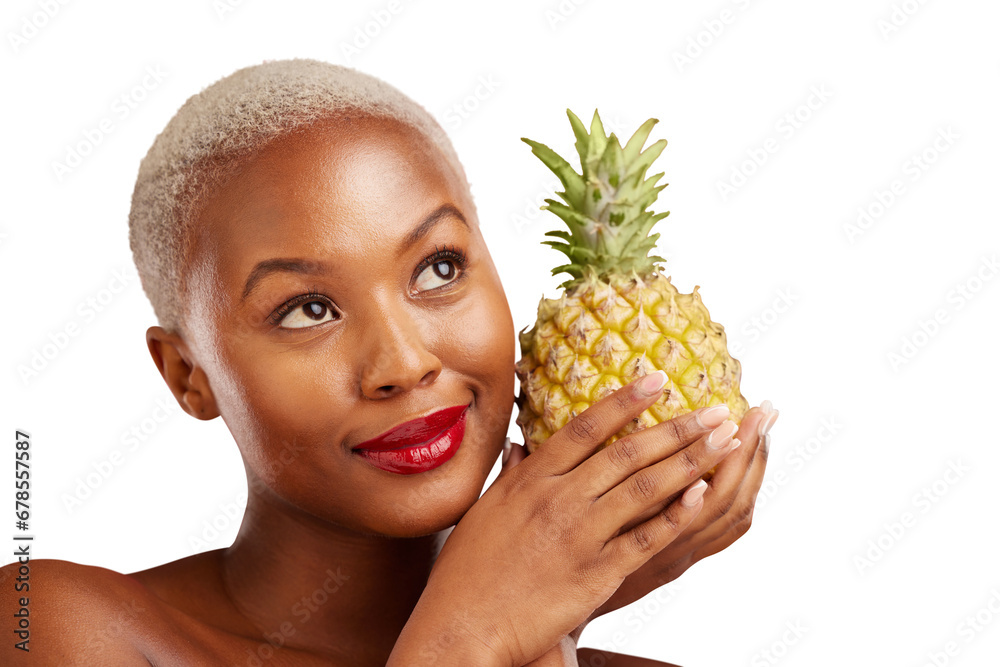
point(309, 243)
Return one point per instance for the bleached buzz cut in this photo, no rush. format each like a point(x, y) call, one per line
point(218, 130)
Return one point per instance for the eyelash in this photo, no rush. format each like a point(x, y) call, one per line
point(455, 254)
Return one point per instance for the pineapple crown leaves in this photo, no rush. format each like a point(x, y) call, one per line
point(605, 206)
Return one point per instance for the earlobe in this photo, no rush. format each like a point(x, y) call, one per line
point(184, 377)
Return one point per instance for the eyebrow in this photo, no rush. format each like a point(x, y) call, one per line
point(312, 267)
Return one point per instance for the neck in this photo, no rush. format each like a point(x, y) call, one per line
point(322, 587)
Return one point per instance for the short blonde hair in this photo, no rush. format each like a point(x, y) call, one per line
point(217, 130)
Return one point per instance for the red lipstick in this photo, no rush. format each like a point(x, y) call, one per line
point(417, 445)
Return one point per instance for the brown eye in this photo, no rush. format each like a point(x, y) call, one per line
point(444, 270)
point(437, 274)
point(307, 314)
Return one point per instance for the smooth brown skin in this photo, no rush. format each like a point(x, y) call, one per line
point(296, 401)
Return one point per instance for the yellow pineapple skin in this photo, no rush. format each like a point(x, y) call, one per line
point(605, 332)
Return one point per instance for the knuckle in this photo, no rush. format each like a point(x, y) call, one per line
point(642, 539)
point(583, 428)
point(623, 400)
point(670, 521)
point(688, 463)
point(676, 433)
point(625, 453)
point(743, 518)
point(722, 511)
point(643, 487)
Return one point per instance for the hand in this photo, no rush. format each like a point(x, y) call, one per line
point(554, 537)
point(725, 517)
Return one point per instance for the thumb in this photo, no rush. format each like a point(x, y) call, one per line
point(513, 454)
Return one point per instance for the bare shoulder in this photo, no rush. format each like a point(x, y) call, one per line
point(66, 613)
point(592, 657)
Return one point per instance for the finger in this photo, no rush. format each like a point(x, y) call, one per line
point(584, 434)
point(648, 490)
point(729, 474)
point(632, 549)
point(613, 464)
point(513, 454)
point(722, 530)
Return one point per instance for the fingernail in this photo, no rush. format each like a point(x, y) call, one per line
point(651, 384)
point(711, 417)
point(766, 445)
point(506, 452)
point(736, 443)
point(768, 422)
point(694, 494)
point(721, 435)
point(766, 407)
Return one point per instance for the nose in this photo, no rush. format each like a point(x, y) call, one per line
point(396, 358)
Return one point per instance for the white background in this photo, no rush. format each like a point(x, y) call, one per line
point(817, 310)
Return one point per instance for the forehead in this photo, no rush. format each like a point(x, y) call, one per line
point(339, 186)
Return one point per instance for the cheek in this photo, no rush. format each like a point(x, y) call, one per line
point(483, 339)
point(275, 403)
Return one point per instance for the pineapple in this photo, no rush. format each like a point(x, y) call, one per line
point(619, 318)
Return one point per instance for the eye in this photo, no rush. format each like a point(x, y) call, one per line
point(443, 267)
point(304, 311)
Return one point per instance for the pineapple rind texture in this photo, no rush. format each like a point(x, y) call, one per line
point(607, 331)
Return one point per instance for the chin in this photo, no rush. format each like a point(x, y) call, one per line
point(429, 508)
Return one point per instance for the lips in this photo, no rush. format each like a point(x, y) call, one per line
point(416, 431)
point(418, 445)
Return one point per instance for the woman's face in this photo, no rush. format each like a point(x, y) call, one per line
point(368, 319)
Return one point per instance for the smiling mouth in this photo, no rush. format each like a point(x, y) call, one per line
point(409, 458)
point(416, 432)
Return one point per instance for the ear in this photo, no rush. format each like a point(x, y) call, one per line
point(185, 378)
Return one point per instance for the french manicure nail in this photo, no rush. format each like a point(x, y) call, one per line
point(711, 417)
point(694, 494)
point(766, 407)
point(736, 443)
point(652, 383)
point(721, 434)
point(768, 422)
